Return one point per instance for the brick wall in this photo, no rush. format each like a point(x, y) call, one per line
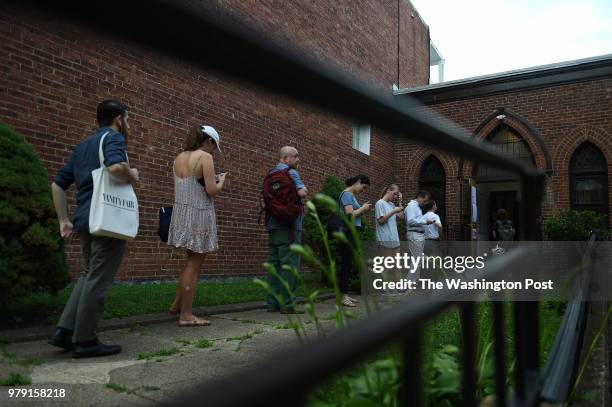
point(561, 116)
point(53, 74)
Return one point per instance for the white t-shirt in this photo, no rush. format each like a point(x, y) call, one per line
point(386, 234)
point(431, 231)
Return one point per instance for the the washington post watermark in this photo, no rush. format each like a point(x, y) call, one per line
point(483, 270)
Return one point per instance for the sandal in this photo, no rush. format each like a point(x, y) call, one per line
point(347, 302)
point(174, 311)
point(193, 322)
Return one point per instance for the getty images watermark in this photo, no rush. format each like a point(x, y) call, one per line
point(530, 271)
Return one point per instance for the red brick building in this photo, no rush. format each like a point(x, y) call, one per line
point(559, 117)
point(55, 72)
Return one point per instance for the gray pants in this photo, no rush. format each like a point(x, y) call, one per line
point(102, 257)
point(416, 246)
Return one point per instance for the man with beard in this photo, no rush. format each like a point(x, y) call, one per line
point(76, 329)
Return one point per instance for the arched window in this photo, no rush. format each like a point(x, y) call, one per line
point(589, 179)
point(507, 141)
point(433, 179)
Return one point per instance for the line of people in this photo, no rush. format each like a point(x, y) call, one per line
point(193, 224)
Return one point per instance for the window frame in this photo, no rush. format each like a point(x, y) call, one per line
point(361, 131)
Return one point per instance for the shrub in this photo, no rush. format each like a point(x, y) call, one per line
point(31, 255)
point(574, 225)
point(16, 379)
point(332, 187)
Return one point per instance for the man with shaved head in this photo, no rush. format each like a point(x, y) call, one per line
point(283, 233)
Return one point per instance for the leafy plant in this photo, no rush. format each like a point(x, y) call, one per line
point(16, 379)
point(443, 377)
point(117, 387)
point(326, 265)
point(574, 225)
point(31, 255)
point(204, 343)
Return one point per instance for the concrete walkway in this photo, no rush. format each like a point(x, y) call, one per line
point(159, 361)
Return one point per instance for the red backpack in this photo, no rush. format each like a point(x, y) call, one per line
point(280, 197)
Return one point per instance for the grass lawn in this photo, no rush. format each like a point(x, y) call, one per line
point(128, 300)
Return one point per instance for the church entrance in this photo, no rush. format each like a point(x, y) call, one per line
point(498, 189)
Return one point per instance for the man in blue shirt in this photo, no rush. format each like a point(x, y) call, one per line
point(279, 236)
point(76, 329)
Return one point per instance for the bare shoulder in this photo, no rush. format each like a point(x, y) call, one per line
point(206, 157)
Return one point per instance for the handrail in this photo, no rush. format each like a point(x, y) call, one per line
point(563, 357)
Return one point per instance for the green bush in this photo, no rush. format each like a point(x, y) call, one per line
point(574, 225)
point(31, 255)
point(333, 187)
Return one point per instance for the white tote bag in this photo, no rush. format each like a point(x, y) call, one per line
point(114, 207)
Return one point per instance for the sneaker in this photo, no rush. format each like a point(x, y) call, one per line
point(61, 338)
point(94, 348)
point(352, 299)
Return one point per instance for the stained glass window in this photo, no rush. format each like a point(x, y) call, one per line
point(507, 141)
point(589, 179)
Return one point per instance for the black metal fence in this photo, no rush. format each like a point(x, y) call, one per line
point(197, 32)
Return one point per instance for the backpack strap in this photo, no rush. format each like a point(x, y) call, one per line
point(340, 201)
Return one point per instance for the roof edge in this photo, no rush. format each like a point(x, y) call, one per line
point(537, 76)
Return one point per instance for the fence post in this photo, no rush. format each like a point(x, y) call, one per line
point(411, 371)
point(468, 352)
point(526, 313)
point(500, 352)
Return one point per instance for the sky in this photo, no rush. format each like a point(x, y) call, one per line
point(479, 37)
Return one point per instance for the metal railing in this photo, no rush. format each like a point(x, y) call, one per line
point(197, 32)
point(560, 369)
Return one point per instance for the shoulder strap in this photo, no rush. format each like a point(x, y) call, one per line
point(340, 199)
point(100, 150)
point(195, 166)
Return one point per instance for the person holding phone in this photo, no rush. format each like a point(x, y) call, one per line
point(387, 235)
point(194, 223)
point(351, 207)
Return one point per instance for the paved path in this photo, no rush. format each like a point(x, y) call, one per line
point(239, 340)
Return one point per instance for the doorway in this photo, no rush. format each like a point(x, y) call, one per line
point(503, 200)
point(492, 196)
